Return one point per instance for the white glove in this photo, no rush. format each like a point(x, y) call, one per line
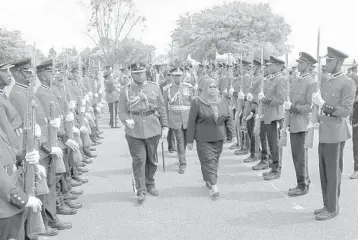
point(33, 157)
point(37, 131)
point(83, 102)
point(72, 144)
point(86, 98)
point(84, 130)
point(34, 203)
point(70, 117)
point(98, 109)
point(261, 95)
point(83, 109)
point(56, 151)
point(100, 105)
point(287, 105)
point(165, 132)
point(250, 116)
point(249, 97)
point(317, 99)
point(225, 92)
point(87, 115)
point(55, 123)
point(130, 123)
point(231, 91)
point(41, 172)
point(75, 130)
point(72, 104)
point(96, 95)
point(241, 95)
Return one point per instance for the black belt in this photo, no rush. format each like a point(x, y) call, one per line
point(147, 113)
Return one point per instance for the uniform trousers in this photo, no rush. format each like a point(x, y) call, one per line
point(250, 131)
point(144, 161)
point(49, 200)
point(171, 140)
point(330, 169)
point(180, 136)
point(299, 157)
point(355, 147)
point(113, 107)
point(269, 135)
point(12, 227)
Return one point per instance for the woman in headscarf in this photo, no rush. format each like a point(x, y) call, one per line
point(210, 119)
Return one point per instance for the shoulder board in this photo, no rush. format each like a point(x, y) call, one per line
point(188, 84)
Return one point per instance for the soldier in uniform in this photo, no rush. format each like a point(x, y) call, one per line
point(354, 123)
point(272, 110)
point(142, 111)
point(177, 99)
point(336, 99)
point(299, 107)
point(111, 98)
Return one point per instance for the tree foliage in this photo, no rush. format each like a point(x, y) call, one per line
point(110, 25)
point(235, 27)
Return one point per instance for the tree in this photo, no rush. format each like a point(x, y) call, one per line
point(235, 27)
point(111, 23)
point(12, 46)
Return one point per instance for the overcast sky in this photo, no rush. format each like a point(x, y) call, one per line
point(62, 23)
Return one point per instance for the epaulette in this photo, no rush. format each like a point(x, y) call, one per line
point(188, 84)
point(166, 87)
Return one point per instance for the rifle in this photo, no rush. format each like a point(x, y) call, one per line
point(67, 124)
point(314, 116)
point(283, 138)
point(240, 105)
point(35, 224)
point(80, 106)
point(257, 127)
point(162, 145)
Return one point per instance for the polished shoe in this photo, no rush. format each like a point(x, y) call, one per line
point(267, 173)
point(272, 176)
point(242, 151)
point(251, 158)
point(262, 165)
point(354, 175)
point(50, 232)
point(141, 197)
point(234, 146)
point(82, 169)
point(172, 150)
point(87, 161)
point(81, 179)
point(73, 205)
point(71, 196)
point(92, 149)
point(61, 225)
point(297, 191)
point(76, 191)
point(81, 164)
point(182, 169)
point(152, 191)
point(66, 210)
point(99, 137)
point(75, 183)
point(325, 215)
point(89, 154)
point(319, 211)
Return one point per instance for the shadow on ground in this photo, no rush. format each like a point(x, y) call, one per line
point(108, 173)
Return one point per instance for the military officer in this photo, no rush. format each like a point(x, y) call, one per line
point(272, 110)
point(354, 122)
point(301, 90)
point(336, 99)
point(142, 110)
point(111, 98)
point(177, 99)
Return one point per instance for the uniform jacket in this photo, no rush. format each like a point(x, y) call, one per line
point(177, 100)
point(145, 105)
point(275, 89)
point(338, 92)
point(301, 90)
point(204, 127)
point(111, 92)
point(354, 117)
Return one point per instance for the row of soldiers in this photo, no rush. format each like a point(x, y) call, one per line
point(64, 128)
point(267, 101)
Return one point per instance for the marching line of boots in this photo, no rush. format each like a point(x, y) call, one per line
point(253, 105)
point(48, 131)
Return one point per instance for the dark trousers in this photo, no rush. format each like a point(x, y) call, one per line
point(299, 157)
point(250, 131)
point(113, 107)
point(269, 135)
point(49, 200)
point(145, 161)
point(330, 169)
point(180, 136)
point(12, 227)
point(355, 147)
point(171, 140)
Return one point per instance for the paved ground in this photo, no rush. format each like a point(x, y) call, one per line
point(248, 207)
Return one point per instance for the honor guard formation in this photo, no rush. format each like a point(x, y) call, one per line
point(49, 127)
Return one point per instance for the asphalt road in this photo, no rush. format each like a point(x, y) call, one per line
point(248, 207)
